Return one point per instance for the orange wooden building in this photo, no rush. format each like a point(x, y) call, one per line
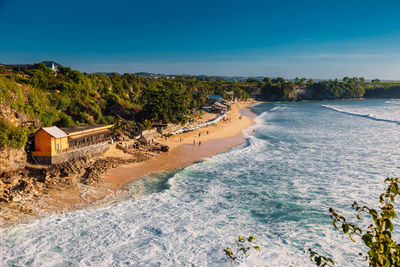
point(55, 145)
point(49, 141)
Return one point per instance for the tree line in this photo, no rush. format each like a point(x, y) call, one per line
point(69, 97)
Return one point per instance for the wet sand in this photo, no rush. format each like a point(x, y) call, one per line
point(221, 137)
point(214, 139)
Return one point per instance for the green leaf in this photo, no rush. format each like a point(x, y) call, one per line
point(334, 224)
point(367, 238)
point(351, 237)
point(318, 260)
point(388, 225)
point(373, 213)
point(251, 238)
point(345, 227)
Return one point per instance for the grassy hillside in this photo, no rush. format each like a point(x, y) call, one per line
point(70, 98)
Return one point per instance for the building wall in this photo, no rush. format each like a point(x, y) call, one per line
point(45, 144)
point(61, 142)
point(43, 141)
point(89, 151)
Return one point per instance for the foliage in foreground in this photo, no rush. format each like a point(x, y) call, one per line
point(382, 249)
point(244, 245)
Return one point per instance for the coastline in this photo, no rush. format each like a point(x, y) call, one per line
point(220, 138)
point(60, 199)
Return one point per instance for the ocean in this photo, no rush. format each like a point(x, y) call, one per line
point(278, 186)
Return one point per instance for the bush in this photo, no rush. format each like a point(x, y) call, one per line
point(17, 137)
point(12, 136)
point(65, 121)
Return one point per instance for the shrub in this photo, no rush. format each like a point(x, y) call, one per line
point(12, 136)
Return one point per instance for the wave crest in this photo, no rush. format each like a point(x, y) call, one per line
point(363, 115)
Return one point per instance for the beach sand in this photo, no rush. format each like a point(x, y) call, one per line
point(221, 137)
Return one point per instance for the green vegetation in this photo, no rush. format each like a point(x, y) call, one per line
point(280, 89)
point(69, 97)
point(377, 237)
point(334, 89)
point(12, 136)
point(243, 246)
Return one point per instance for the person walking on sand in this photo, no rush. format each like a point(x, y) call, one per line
point(199, 143)
point(194, 142)
point(207, 132)
point(199, 134)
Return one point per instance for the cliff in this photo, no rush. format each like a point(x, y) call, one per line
point(37, 190)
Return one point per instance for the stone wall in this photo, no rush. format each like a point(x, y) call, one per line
point(89, 151)
point(151, 134)
point(169, 128)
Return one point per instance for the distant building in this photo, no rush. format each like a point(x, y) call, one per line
point(21, 67)
point(52, 65)
point(214, 97)
point(55, 145)
point(216, 104)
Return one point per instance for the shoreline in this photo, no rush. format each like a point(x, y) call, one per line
point(221, 138)
point(111, 183)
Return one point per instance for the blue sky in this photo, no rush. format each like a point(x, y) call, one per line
point(309, 38)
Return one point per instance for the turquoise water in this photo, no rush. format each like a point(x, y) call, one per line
point(304, 158)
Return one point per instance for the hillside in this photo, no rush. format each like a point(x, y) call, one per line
point(40, 97)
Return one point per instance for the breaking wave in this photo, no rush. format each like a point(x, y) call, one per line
point(368, 116)
point(277, 186)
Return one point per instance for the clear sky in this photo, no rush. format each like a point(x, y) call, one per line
point(308, 38)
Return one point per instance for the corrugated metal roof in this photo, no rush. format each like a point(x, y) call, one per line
point(219, 105)
point(85, 128)
point(55, 131)
point(75, 137)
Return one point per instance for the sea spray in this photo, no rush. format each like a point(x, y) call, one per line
point(277, 186)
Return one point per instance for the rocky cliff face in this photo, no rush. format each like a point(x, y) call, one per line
point(12, 159)
point(22, 190)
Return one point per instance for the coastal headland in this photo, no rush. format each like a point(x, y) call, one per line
point(63, 190)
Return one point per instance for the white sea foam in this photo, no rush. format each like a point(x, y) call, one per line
point(364, 115)
point(277, 186)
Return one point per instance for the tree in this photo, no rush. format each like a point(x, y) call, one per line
point(301, 82)
point(376, 81)
point(267, 81)
point(382, 249)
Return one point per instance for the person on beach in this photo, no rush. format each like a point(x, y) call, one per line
point(199, 134)
point(180, 139)
point(194, 142)
point(199, 143)
point(207, 132)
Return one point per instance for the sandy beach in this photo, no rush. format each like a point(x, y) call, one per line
point(185, 148)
